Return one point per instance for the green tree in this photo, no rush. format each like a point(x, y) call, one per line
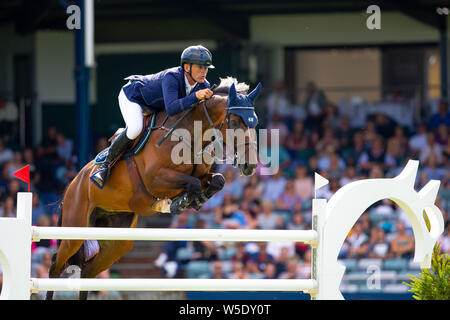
point(433, 284)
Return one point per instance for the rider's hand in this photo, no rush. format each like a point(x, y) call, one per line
point(203, 94)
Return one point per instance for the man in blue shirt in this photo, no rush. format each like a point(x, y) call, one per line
point(174, 89)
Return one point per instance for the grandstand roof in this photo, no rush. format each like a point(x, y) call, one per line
point(221, 18)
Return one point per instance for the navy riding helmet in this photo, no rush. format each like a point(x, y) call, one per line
point(197, 55)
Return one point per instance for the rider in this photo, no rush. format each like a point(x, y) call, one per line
point(174, 89)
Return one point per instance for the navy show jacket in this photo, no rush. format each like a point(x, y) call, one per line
point(165, 89)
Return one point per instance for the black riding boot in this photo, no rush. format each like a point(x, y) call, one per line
point(100, 177)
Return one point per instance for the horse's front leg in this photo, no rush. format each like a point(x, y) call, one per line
point(214, 184)
point(169, 179)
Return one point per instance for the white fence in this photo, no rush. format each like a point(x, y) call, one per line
point(332, 222)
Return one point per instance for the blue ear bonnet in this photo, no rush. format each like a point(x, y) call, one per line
point(242, 105)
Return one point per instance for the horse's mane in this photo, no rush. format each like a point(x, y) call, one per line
point(225, 84)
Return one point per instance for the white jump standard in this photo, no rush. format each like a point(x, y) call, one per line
point(332, 222)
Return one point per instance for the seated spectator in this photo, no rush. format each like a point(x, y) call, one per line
point(38, 208)
point(336, 166)
point(281, 261)
point(45, 245)
point(431, 169)
point(267, 219)
point(276, 248)
point(331, 117)
point(376, 172)
point(42, 271)
point(249, 195)
point(358, 242)
point(373, 157)
point(241, 255)
point(313, 165)
point(167, 258)
point(253, 189)
point(16, 164)
point(233, 185)
point(348, 176)
point(250, 211)
point(400, 139)
point(291, 269)
point(297, 222)
point(8, 209)
point(276, 122)
point(274, 187)
point(441, 117)
point(297, 140)
point(303, 184)
point(262, 257)
point(384, 125)
point(6, 154)
point(442, 135)
point(344, 133)
point(369, 134)
point(270, 272)
point(327, 144)
point(251, 267)
point(64, 147)
point(356, 150)
point(419, 140)
point(366, 223)
point(238, 271)
point(378, 246)
point(203, 250)
point(402, 245)
point(394, 154)
point(217, 272)
point(289, 200)
point(13, 188)
point(229, 216)
point(431, 147)
point(304, 267)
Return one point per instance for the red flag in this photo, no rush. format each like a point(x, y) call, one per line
point(24, 175)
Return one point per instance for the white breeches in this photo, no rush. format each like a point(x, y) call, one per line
point(132, 114)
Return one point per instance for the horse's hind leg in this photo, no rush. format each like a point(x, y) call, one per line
point(75, 212)
point(110, 250)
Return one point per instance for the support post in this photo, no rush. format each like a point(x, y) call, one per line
point(15, 250)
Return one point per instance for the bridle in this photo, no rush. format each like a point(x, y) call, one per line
point(217, 140)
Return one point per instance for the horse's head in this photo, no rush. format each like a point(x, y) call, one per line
point(242, 119)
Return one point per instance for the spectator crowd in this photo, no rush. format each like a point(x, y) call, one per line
point(319, 140)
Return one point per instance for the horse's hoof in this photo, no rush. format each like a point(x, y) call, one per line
point(162, 206)
point(179, 204)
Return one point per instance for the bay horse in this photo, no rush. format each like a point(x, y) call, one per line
point(136, 185)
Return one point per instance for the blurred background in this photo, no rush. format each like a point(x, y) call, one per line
point(354, 92)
